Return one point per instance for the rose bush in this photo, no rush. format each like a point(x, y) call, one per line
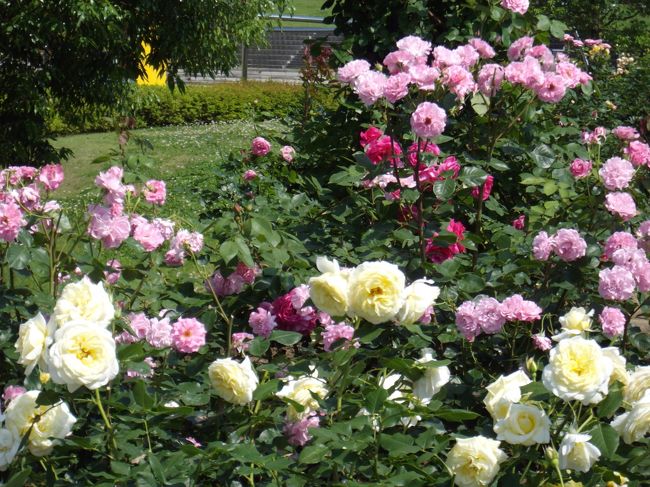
point(425, 314)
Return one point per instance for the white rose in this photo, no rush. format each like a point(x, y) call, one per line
point(619, 372)
point(376, 291)
point(503, 392)
point(83, 354)
point(635, 424)
point(45, 424)
point(574, 323)
point(432, 380)
point(576, 453)
point(524, 425)
point(84, 300)
point(399, 387)
point(329, 291)
point(300, 391)
point(638, 384)
point(233, 381)
point(417, 298)
point(34, 337)
point(9, 443)
point(475, 461)
point(578, 370)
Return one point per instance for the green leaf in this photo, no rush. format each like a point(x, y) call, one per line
point(444, 189)
point(141, 395)
point(608, 406)
point(558, 29)
point(258, 346)
point(20, 479)
point(17, 256)
point(398, 444)
point(285, 337)
point(473, 176)
point(457, 415)
point(266, 390)
point(228, 250)
point(313, 454)
point(47, 398)
point(480, 103)
point(133, 351)
point(605, 438)
point(543, 22)
point(374, 401)
point(362, 160)
point(471, 284)
point(543, 156)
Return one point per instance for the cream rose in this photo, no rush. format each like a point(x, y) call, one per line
point(635, 424)
point(9, 443)
point(329, 291)
point(576, 453)
point(575, 322)
point(619, 372)
point(578, 370)
point(233, 381)
point(417, 298)
point(83, 354)
point(45, 424)
point(376, 291)
point(86, 301)
point(34, 337)
point(638, 384)
point(432, 380)
point(300, 391)
point(524, 425)
point(475, 461)
point(503, 392)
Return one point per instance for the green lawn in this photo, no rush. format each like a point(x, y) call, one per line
point(310, 8)
point(175, 149)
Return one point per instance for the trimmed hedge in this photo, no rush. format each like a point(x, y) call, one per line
point(157, 106)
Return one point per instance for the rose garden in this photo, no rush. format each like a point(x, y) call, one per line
point(433, 272)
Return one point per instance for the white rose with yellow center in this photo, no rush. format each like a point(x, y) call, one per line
point(86, 301)
point(45, 424)
point(578, 370)
point(34, 337)
point(329, 291)
point(524, 425)
point(83, 354)
point(503, 392)
point(576, 453)
point(638, 384)
point(475, 461)
point(432, 380)
point(619, 372)
point(574, 323)
point(635, 424)
point(302, 391)
point(9, 443)
point(417, 298)
point(233, 381)
point(376, 291)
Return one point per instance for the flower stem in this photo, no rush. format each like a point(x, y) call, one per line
point(107, 422)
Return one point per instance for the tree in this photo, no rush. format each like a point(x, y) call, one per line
point(74, 54)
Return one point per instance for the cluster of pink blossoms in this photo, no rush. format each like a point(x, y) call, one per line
point(592, 43)
point(488, 315)
point(261, 147)
point(186, 335)
point(235, 282)
point(22, 190)
point(335, 332)
point(631, 271)
point(111, 224)
point(297, 432)
point(567, 244)
point(288, 312)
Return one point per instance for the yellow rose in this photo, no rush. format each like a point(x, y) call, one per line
point(34, 337)
point(578, 370)
point(524, 425)
point(300, 391)
point(574, 323)
point(329, 291)
point(417, 298)
point(503, 392)
point(638, 384)
point(619, 372)
point(83, 354)
point(475, 461)
point(233, 381)
point(635, 424)
point(86, 301)
point(576, 453)
point(376, 291)
point(45, 424)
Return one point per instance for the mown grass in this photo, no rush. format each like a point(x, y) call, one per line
point(172, 151)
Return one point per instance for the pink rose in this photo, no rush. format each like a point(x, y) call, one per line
point(428, 120)
point(397, 87)
point(542, 343)
point(113, 271)
point(616, 173)
point(459, 81)
point(553, 89)
point(517, 6)
point(580, 168)
point(569, 245)
point(188, 335)
point(485, 189)
point(490, 79)
point(51, 176)
point(415, 46)
point(336, 332)
point(249, 175)
point(516, 308)
point(621, 204)
point(638, 152)
point(612, 320)
point(262, 321)
point(616, 283)
point(352, 70)
point(619, 240)
point(11, 221)
point(288, 153)
point(149, 236)
point(370, 86)
point(369, 135)
point(155, 192)
point(260, 146)
point(484, 49)
point(519, 222)
point(625, 133)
